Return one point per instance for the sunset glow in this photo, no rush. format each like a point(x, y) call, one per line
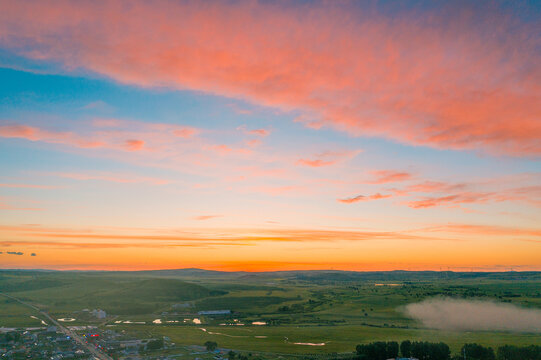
point(270, 135)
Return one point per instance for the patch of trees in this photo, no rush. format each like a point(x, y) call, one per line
point(155, 344)
point(423, 350)
point(211, 345)
point(476, 352)
point(379, 350)
point(231, 355)
point(511, 352)
point(387, 350)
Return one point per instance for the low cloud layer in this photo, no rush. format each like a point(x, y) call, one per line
point(465, 315)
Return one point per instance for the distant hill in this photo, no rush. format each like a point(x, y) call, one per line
point(300, 275)
point(340, 275)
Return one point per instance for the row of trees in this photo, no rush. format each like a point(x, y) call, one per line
point(423, 350)
point(512, 352)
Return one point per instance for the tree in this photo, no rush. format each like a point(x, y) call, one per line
point(512, 352)
point(379, 350)
point(211, 345)
point(430, 351)
point(477, 352)
point(392, 349)
point(155, 344)
point(405, 348)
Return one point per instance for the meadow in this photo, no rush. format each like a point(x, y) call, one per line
point(303, 312)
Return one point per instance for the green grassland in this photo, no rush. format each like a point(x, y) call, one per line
point(340, 309)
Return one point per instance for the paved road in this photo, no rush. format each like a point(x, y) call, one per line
point(93, 350)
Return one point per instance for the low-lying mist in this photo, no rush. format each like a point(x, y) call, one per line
point(457, 314)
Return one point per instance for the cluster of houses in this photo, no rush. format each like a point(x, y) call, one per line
point(40, 343)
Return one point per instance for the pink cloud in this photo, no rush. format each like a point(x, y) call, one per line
point(185, 132)
point(254, 132)
point(442, 78)
point(435, 186)
point(56, 137)
point(328, 158)
point(315, 163)
point(134, 145)
point(253, 142)
point(389, 176)
point(358, 198)
point(456, 199)
point(259, 132)
point(529, 194)
point(221, 149)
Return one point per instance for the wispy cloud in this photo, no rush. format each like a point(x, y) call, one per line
point(358, 198)
point(389, 176)
point(206, 217)
point(134, 144)
point(254, 132)
point(56, 137)
point(437, 77)
point(328, 158)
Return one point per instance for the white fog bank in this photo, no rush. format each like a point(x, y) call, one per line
point(457, 314)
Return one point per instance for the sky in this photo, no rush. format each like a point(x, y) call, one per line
point(270, 135)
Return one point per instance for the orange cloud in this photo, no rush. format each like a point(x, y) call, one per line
point(488, 230)
point(199, 236)
point(445, 78)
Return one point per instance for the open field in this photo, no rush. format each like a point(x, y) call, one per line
point(336, 310)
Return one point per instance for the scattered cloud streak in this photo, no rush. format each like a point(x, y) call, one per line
point(358, 198)
point(389, 176)
point(328, 158)
point(206, 217)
